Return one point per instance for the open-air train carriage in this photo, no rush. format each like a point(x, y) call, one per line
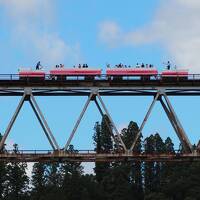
point(143, 73)
point(111, 74)
point(63, 73)
point(181, 74)
point(29, 73)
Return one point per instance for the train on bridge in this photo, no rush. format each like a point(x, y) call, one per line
point(89, 73)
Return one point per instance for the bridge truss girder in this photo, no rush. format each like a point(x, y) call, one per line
point(95, 95)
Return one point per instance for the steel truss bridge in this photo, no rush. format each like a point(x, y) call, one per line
point(94, 90)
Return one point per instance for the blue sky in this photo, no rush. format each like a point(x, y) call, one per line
point(97, 32)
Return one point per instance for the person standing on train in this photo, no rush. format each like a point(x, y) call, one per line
point(38, 65)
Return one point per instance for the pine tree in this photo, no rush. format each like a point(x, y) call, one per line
point(17, 181)
point(148, 166)
point(134, 169)
point(3, 176)
point(71, 179)
point(103, 144)
point(38, 181)
point(159, 147)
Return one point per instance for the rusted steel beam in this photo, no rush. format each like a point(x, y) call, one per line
point(61, 156)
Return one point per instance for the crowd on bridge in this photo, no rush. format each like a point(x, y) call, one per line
point(120, 65)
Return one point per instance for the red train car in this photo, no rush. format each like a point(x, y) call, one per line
point(144, 73)
point(29, 73)
point(63, 73)
point(175, 74)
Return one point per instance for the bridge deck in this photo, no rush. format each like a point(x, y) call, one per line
point(61, 156)
point(11, 85)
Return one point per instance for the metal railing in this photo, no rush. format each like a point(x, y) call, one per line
point(36, 152)
point(13, 77)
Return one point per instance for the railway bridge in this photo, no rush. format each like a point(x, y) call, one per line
point(94, 90)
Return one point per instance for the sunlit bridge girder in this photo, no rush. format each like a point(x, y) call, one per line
point(91, 156)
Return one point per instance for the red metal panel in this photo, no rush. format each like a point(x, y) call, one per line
point(75, 72)
point(172, 73)
point(132, 72)
point(31, 73)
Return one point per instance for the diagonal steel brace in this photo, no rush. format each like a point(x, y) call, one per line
point(12, 121)
point(181, 133)
point(112, 122)
point(144, 122)
point(78, 121)
point(169, 115)
point(110, 130)
point(42, 125)
point(41, 118)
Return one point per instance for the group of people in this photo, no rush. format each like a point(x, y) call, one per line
point(60, 66)
point(120, 65)
point(82, 66)
point(129, 66)
point(144, 65)
point(39, 66)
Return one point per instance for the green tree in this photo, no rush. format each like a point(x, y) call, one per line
point(71, 179)
point(38, 181)
point(3, 176)
point(133, 169)
point(17, 180)
point(148, 166)
point(103, 144)
point(159, 147)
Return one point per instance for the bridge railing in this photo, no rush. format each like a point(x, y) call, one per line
point(36, 152)
point(14, 77)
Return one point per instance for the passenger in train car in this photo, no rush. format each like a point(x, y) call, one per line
point(61, 66)
point(168, 65)
point(108, 65)
point(79, 66)
point(150, 66)
point(142, 65)
point(137, 65)
point(129, 66)
point(147, 65)
point(86, 66)
point(38, 66)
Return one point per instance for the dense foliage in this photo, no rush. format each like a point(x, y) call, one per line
point(110, 181)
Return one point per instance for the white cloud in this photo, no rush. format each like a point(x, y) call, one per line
point(33, 28)
point(110, 33)
point(175, 26)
